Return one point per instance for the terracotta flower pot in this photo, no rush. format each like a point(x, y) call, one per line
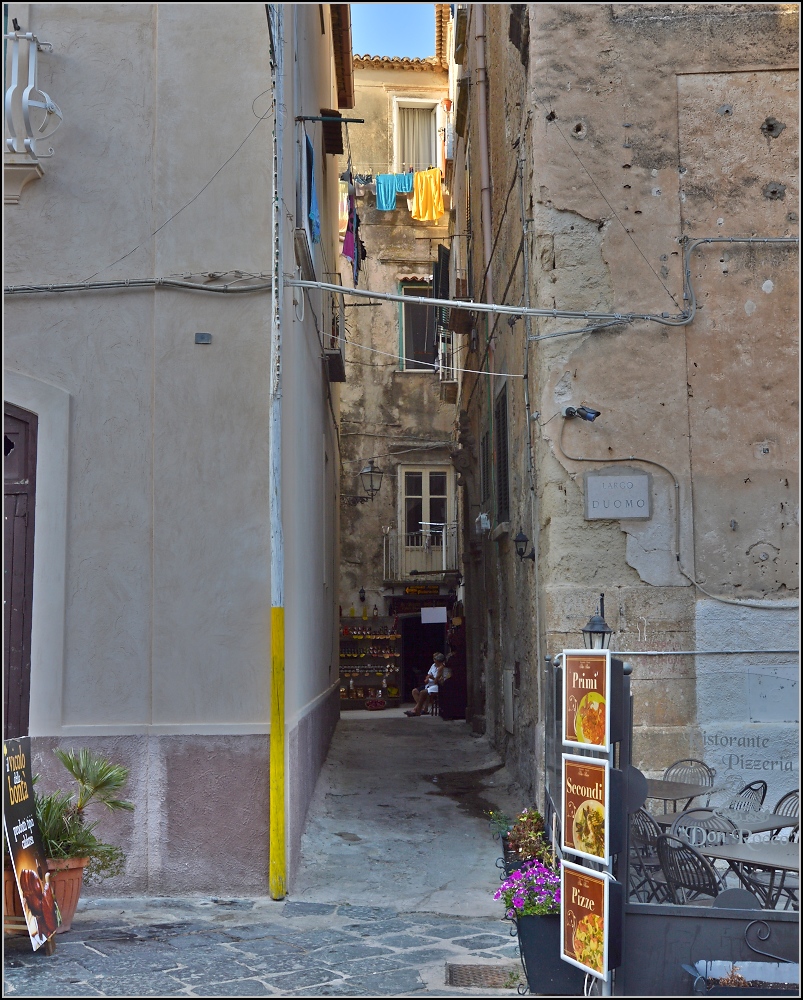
point(67, 877)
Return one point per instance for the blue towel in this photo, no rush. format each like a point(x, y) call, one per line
point(386, 192)
point(404, 183)
point(314, 214)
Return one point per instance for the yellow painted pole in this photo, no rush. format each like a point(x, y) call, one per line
point(277, 811)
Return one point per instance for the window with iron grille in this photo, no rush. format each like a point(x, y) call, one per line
point(501, 456)
point(485, 468)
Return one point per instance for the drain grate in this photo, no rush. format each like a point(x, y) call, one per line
point(489, 976)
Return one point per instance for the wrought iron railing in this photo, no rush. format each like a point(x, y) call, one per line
point(430, 551)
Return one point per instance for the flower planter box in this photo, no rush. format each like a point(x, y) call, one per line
point(539, 946)
point(784, 977)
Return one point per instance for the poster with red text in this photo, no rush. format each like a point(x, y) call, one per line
point(586, 698)
point(25, 843)
point(584, 918)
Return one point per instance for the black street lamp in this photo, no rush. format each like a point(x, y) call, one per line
point(361, 595)
point(520, 541)
point(597, 634)
point(371, 478)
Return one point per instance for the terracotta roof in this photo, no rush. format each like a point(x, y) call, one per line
point(439, 61)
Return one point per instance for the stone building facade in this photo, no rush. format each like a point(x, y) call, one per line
point(625, 142)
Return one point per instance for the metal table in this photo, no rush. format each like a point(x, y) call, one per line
point(675, 791)
point(761, 867)
point(748, 823)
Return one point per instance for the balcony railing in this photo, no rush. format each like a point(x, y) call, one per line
point(430, 551)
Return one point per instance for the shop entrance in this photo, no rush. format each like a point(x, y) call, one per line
point(419, 642)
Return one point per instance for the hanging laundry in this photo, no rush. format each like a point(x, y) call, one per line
point(343, 209)
point(314, 214)
point(404, 183)
point(427, 195)
point(386, 192)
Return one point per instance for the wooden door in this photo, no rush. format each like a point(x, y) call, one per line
point(19, 448)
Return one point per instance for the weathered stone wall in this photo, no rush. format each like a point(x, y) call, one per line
point(638, 125)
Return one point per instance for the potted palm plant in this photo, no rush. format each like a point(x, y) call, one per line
point(73, 850)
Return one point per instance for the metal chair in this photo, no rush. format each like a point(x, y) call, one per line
point(710, 827)
point(750, 798)
point(647, 882)
point(695, 772)
point(688, 874)
point(788, 805)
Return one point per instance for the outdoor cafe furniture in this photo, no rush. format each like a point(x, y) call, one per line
point(647, 881)
point(691, 772)
point(750, 798)
point(747, 823)
point(788, 805)
point(689, 875)
point(677, 791)
point(770, 870)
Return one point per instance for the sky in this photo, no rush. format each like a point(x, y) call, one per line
point(393, 29)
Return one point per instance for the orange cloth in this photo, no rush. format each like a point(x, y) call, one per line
point(427, 195)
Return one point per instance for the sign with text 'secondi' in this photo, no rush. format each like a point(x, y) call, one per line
point(586, 711)
point(584, 813)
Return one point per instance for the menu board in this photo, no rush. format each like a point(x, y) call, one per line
point(584, 827)
point(584, 918)
point(586, 698)
point(39, 906)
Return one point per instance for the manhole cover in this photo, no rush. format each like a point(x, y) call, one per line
point(490, 976)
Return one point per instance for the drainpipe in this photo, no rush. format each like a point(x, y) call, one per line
point(485, 165)
point(277, 872)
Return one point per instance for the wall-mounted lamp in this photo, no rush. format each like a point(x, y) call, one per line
point(520, 541)
point(361, 595)
point(583, 412)
point(371, 478)
point(597, 634)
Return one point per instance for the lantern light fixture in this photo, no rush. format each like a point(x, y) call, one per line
point(520, 541)
point(596, 633)
point(371, 477)
point(361, 595)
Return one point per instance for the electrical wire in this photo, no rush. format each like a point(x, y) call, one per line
point(426, 366)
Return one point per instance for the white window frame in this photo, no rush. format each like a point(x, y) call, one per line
point(416, 102)
point(402, 470)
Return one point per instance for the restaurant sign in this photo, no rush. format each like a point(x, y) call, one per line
point(423, 589)
point(585, 919)
point(24, 842)
point(586, 799)
point(586, 698)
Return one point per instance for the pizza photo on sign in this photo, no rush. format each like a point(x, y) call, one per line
point(586, 709)
point(584, 800)
point(584, 916)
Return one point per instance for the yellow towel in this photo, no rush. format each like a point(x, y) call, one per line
point(427, 195)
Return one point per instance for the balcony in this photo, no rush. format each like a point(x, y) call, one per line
point(427, 552)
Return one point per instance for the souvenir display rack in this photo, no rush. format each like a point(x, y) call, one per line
point(370, 662)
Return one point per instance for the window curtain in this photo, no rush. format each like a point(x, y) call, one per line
point(416, 139)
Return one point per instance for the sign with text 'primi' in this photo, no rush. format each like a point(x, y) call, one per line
point(584, 918)
point(587, 698)
point(586, 799)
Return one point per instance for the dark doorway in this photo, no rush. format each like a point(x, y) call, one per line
point(419, 642)
point(19, 449)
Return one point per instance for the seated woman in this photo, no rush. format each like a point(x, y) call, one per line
point(429, 687)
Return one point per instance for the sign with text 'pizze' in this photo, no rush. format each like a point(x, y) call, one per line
point(24, 841)
point(586, 797)
point(587, 698)
point(584, 918)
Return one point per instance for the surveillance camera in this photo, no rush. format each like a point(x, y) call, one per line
point(583, 412)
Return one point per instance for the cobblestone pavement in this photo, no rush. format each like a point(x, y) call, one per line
point(203, 947)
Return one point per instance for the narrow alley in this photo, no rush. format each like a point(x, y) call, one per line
point(393, 895)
